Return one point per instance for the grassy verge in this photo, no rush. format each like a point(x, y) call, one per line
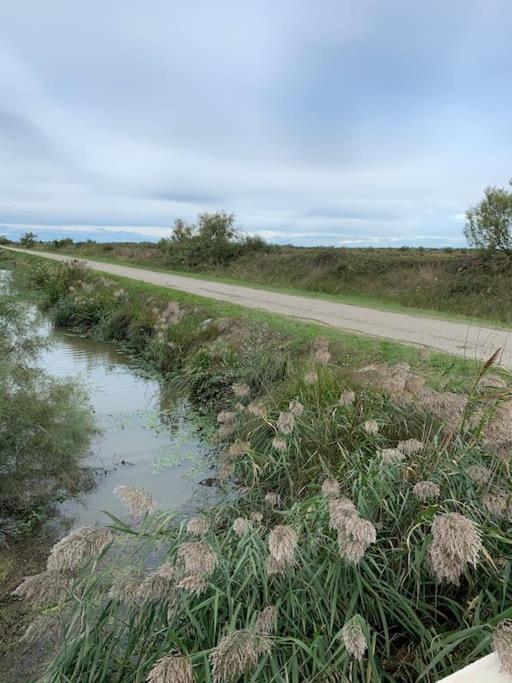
point(365, 531)
point(353, 298)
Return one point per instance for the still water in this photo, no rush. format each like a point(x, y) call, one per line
point(148, 436)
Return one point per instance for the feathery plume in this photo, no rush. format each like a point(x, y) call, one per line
point(256, 517)
point(241, 390)
point(273, 499)
point(257, 409)
point(295, 408)
point(282, 543)
point(198, 526)
point(311, 377)
point(390, 456)
point(238, 653)
point(330, 488)
point(198, 557)
point(226, 417)
point(194, 583)
point(347, 398)
point(45, 589)
point(285, 423)
point(340, 509)
point(371, 426)
point(426, 490)
point(241, 526)
point(498, 504)
point(78, 547)
point(502, 645)
point(322, 356)
point(360, 530)
point(273, 567)
point(279, 444)
point(158, 585)
point(239, 448)
point(350, 550)
point(137, 500)
point(410, 446)
point(266, 620)
point(479, 474)
point(354, 638)
point(125, 586)
point(455, 543)
point(173, 668)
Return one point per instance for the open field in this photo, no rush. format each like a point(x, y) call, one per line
point(365, 534)
point(456, 282)
point(471, 341)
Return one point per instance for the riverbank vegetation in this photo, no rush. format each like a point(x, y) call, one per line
point(45, 430)
point(365, 536)
point(467, 282)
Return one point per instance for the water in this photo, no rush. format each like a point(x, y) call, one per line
point(148, 436)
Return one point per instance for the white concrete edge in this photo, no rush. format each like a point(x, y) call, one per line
point(484, 670)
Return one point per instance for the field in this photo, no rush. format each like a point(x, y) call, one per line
point(364, 531)
point(455, 282)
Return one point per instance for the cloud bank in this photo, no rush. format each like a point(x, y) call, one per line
point(335, 122)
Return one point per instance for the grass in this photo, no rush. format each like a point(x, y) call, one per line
point(131, 603)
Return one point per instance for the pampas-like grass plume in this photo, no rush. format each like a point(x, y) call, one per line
point(158, 585)
point(241, 526)
point(279, 444)
point(455, 543)
point(257, 409)
point(282, 543)
point(354, 533)
point(390, 456)
point(273, 567)
point(239, 448)
point(426, 490)
point(339, 510)
point(266, 620)
point(198, 557)
point(194, 583)
point(479, 474)
point(330, 488)
point(76, 549)
point(311, 377)
point(502, 645)
point(354, 639)
point(295, 408)
point(45, 589)
point(285, 423)
point(137, 500)
point(256, 517)
point(241, 390)
point(173, 668)
point(273, 499)
point(371, 427)
point(347, 398)
point(198, 526)
point(125, 586)
point(499, 504)
point(238, 653)
point(410, 447)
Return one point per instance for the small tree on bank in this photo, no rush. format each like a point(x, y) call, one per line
point(489, 223)
point(28, 240)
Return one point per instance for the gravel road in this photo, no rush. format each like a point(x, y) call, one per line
point(461, 338)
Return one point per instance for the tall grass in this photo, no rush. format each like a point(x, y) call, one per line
point(385, 617)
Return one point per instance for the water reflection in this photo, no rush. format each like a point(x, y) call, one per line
point(147, 437)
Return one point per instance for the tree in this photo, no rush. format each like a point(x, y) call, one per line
point(28, 240)
point(489, 223)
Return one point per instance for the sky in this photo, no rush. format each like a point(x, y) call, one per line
point(346, 123)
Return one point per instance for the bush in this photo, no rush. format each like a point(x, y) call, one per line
point(489, 224)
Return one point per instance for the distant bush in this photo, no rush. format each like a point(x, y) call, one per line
point(213, 241)
point(28, 240)
point(5, 240)
point(489, 223)
point(61, 244)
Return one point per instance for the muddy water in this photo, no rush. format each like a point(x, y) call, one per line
point(148, 436)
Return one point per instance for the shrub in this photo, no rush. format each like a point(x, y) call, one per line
point(489, 224)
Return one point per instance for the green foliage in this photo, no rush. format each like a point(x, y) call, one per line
point(489, 224)
point(45, 428)
point(214, 241)
point(28, 240)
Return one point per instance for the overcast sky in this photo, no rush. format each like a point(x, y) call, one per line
point(322, 122)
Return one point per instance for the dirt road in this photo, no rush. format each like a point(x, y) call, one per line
point(460, 338)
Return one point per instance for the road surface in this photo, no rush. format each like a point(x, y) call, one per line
point(460, 338)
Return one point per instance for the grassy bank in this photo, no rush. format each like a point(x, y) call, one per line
point(44, 433)
point(366, 536)
point(457, 282)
